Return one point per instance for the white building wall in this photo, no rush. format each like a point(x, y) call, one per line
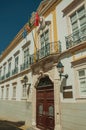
point(62, 23)
point(11, 54)
point(16, 108)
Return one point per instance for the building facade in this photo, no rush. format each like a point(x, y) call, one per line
point(73, 57)
point(48, 101)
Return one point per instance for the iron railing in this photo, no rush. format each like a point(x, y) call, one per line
point(15, 71)
point(3, 77)
point(50, 48)
point(24, 66)
point(76, 38)
point(45, 51)
point(8, 74)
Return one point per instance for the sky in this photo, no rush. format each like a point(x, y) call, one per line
point(13, 16)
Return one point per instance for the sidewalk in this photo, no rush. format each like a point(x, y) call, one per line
point(26, 128)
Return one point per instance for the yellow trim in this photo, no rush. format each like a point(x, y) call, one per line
point(51, 8)
point(55, 30)
point(50, 33)
point(35, 40)
point(81, 57)
point(73, 54)
point(35, 35)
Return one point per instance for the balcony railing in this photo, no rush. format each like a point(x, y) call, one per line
point(24, 66)
point(8, 74)
point(3, 77)
point(76, 38)
point(15, 71)
point(50, 48)
point(45, 51)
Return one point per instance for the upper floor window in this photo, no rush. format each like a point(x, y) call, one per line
point(44, 38)
point(9, 66)
point(82, 82)
point(16, 61)
point(0, 73)
point(4, 70)
point(26, 55)
point(78, 26)
point(78, 19)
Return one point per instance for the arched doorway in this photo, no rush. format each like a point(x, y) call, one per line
point(45, 104)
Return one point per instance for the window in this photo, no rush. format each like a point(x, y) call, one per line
point(24, 91)
point(44, 38)
point(44, 46)
point(4, 70)
point(16, 61)
point(78, 19)
point(7, 92)
point(0, 73)
point(14, 91)
point(82, 82)
point(2, 92)
point(26, 55)
point(9, 67)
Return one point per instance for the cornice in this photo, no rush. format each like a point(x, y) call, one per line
point(49, 6)
point(26, 45)
point(10, 59)
point(79, 61)
point(74, 49)
point(71, 6)
point(17, 52)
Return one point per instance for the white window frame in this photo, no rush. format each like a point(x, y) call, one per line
point(16, 61)
point(24, 91)
point(7, 92)
point(44, 40)
point(26, 54)
point(77, 18)
point(81, 78)
point(2, 92)
point(9, 66)
point(0, 73)
point(14, 91)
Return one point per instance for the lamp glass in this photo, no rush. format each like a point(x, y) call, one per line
point(60, 67)
point(25, 79)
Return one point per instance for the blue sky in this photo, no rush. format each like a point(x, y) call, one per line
point(13, 15)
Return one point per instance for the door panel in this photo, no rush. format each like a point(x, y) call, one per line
point(45, 109)
point(50, 115)
point(40, 114)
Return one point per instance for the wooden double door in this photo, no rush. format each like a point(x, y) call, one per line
point(45, 108)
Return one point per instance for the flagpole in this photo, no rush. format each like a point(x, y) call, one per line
point(34, 40)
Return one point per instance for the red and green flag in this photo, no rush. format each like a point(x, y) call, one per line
point(28, 26)
point(37, 19)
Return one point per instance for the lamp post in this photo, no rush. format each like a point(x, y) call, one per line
point(61, 70)
point(25, 80)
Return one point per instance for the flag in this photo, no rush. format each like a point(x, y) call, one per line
point(28, 26)
point(24, 33)
point(37, 19)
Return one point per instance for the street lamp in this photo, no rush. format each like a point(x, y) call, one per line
point(25, 80)
point(61, 70)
